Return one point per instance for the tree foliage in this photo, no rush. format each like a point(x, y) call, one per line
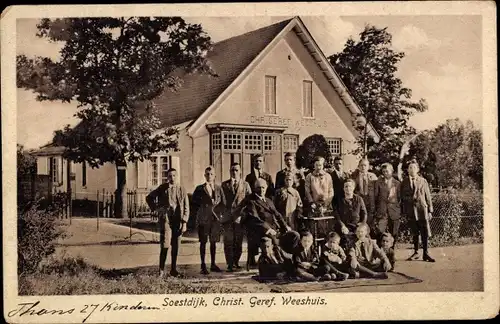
point(368, 69)
point(451, 154)
point(312, 146)
point(115, 68)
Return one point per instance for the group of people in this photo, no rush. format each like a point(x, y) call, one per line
point(275, 217)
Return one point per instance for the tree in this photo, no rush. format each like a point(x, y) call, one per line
point(312, 146)
point(451, 155)
point(115, 68)
point(367, 67)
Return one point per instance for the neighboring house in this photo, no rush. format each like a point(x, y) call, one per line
point(275, 88)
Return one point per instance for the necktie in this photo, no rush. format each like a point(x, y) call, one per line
point(412, 183)
point(235, 185)
point(365, 184)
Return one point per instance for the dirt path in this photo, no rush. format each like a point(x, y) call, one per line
point(457, 268)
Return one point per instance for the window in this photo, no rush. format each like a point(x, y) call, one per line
point(290, 143)
point(335, 145)
point(55, 168)
point(84, 174)
point(158, 166)
point(253, 142)
point(231, 141)
point(270, 100)
point(216, 141)
point(272, 143)
point(307, 106)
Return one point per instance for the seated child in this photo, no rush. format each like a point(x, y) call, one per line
point(289, 203)
point(366, 257)
point(271, 265)
point(306, 261)
point(334, 257)
point(386, 242)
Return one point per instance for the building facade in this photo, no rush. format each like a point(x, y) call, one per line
point(275, 88)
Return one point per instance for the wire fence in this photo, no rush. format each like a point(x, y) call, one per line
point(457, 219)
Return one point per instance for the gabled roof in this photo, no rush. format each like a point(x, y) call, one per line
point(49, 150)
point(279, 30)
point(228, 58)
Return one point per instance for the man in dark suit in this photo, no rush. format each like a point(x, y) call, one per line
point(387, 200)
point(289, 167)
point(235, 191)
point(208, 206)
point(338, 177)
point(170, 202)
point(417, 207)
point(258, 173)
point(365, 181)
point(262, 219)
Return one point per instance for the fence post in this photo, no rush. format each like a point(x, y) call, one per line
point(97, 210)
point(130, 216)
point(104, 207)
point(112, 207)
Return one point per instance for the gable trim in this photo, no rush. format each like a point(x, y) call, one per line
point(331, 74)
point(200, 121)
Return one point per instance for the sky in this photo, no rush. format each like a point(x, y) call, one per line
point(442, 64)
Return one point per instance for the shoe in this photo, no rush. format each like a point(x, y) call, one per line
point(174, 273)
point(343, 276)
point(354, 275)
point(237, 266)
point(230, 269)
point(215, 268)
point(381, 275)
point(414, 256)
point(204, 270)
point(326, 277)
point(428, 258)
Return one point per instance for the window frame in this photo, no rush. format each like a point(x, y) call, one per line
point(287, 137)
point(304, 100)
point(273, 112)
point(340, 143)
point(157, 160)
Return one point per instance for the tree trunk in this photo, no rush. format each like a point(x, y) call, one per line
point(121, 194)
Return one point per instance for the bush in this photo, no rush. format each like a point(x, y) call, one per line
point(37, 232)
point(312, 146)
point(457, 219)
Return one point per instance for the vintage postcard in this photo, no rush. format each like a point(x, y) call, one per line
point(250, 162)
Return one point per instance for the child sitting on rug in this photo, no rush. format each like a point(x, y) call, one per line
point(366, 257)
point(271, 265)
point(334, 257)
point(306, 261)
point(386, 242)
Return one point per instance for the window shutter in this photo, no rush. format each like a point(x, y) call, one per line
point(175, 162)
point(60, 170)
point(142, 174)
point(42, 165)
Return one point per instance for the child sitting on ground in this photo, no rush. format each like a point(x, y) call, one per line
point(306, 261)
point(271, 265)
point(387, 242)
point(366, 257)
point(334, 257)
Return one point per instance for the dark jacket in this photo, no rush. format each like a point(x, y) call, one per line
point(235, 199)
point(208, 208)
point(300, 256)
point(261, 216)
point(351, 213)
point(338, 184)
point(251, 178)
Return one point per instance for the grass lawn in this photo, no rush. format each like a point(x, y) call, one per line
point(73, 276)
